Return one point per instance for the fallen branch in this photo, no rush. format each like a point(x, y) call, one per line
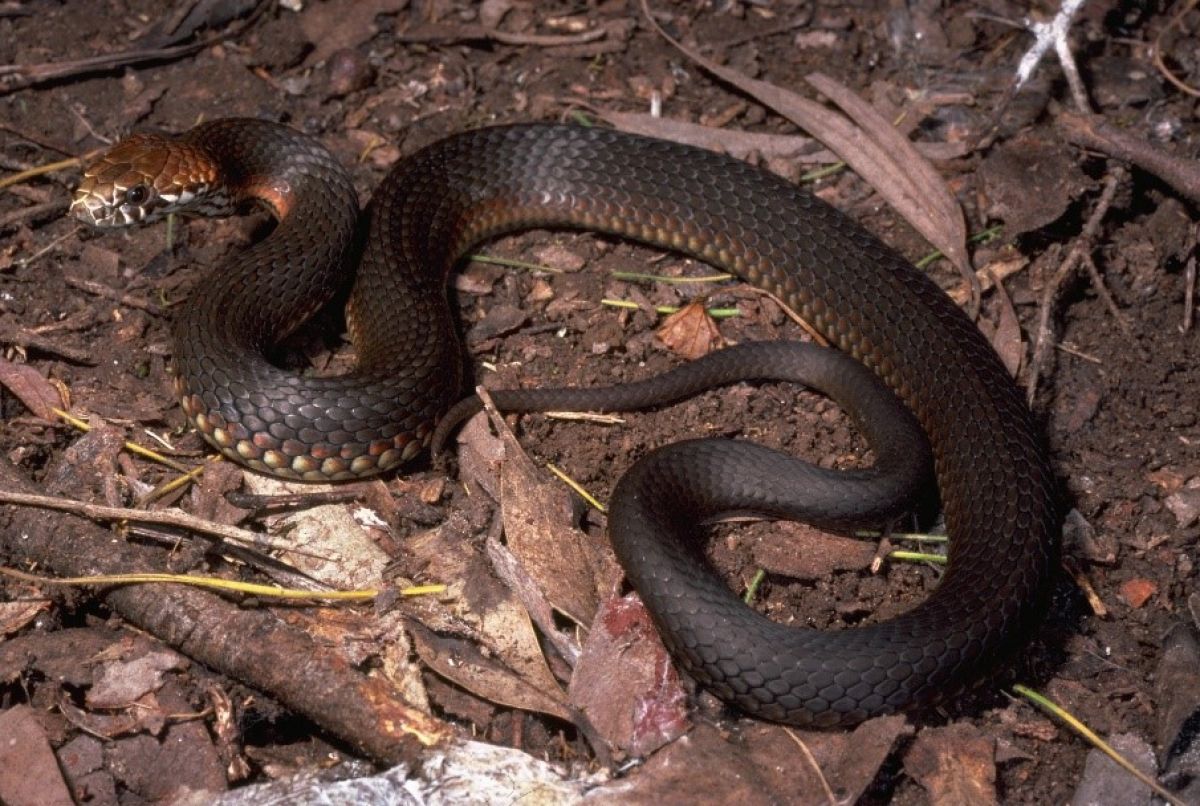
point(19, 76)
point(1078, 251)
point(250, 645)
point(1093, 131)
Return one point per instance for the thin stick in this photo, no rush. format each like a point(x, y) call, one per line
point(1156, 52)
point(101, 290)
point(1054, 709)
point(1189, 285)
point(812, 761)
point(1111, 304)
point(18, 76)
point(161, 517)
point(1078, 249)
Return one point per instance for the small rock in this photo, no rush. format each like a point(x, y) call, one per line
point(1080, 539)
point(348, 71)
point(1185, 504)
point(558, 257)
point(499, 321)
point(1103, 782)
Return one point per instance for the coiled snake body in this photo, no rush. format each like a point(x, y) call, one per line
point(992, 472)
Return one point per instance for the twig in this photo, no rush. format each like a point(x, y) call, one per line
point(1054, 34)
point(812, 762)
point(29, 260)
point(160, 517)
point(445, 34)
point(1078, 249)
point(22, 338)
point(1111, 304)
point(101, 290)
point(1092, 131)
point(49, 208)
point(1189, 287)
point(35, 139)
point(254, 646)
point(18, 76)
point(1156, 52)
point(50, 167)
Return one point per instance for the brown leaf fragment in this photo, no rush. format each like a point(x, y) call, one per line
point(558, 257)
point(1081, 539)
point(500, 320)
point(762, 764)
point(539, 530)
point(1137, 591)
point(16, 615)
point(462, 663)
point(337, 24)
point(184, 748)
point(120, 683)
point(1005, 178)
point(37, 393)
point(29, 772)
point(104, 262)
point(500, 621)
point(1103, 781)
point(1185, 504)
point(1007, 340)
point(805, 552)
point(625, 682)
point(690, 332)
point(956, 765)
point(735, 143)
point(702, 767)
point(848, 762)
point(539, 527)
point(870, 145)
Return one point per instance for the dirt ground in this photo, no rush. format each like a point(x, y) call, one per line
point(87, 313)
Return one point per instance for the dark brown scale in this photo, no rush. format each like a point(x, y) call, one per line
point(992, 472)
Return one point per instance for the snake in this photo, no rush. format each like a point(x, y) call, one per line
point(888, 324)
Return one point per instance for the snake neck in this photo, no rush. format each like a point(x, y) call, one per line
point(265, 292)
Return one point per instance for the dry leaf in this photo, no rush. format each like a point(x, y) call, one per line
point(690, 332)
point(626, 683)
point(901, 175)
point(805, 552)
point(462, 663)
point(118, 684)
point(1006, 341)
point(956, 765)
point(29, 772)
point(15, 616)
point(28, 385)
point(735, 143)
point(337, 24)
point(537, 526)
point(330, 544)
point(768, 147)
point(537, 516)
point(502, 624)
point(763, 763)
point(879, 154)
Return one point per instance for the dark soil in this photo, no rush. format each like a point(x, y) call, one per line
point(1120, 416)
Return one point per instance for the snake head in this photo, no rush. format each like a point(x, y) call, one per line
point(146, 177)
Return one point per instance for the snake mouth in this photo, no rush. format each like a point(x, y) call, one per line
point(93, 209)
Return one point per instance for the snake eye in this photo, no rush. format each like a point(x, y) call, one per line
point(137, 194)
